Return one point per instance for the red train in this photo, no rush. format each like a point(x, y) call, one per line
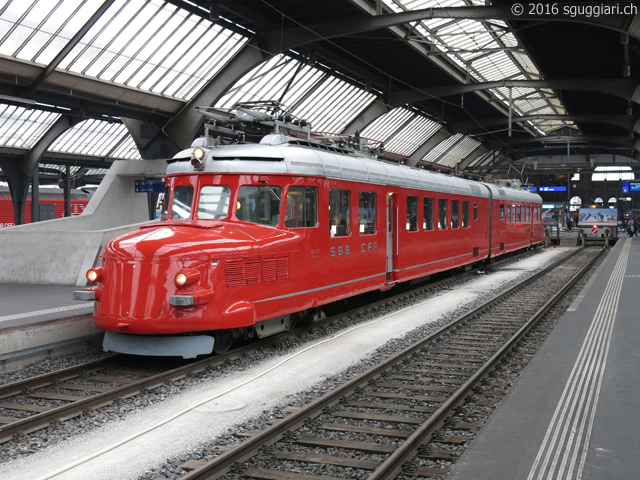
point(254, 237)
point(51, 206)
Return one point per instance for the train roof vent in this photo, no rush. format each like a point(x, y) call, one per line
point(502, 192)
point(475, 189)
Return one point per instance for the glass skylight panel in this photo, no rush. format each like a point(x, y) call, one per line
point(496, 67)
point(126, 149)
point(333, 105)
point(469, 43)
point(153, 46)
point(22, 128)
point(412, 136)
point(459, 152)
point(91, 137)
point(327, 102)
point(443, 147)
point(270, 80)
point(481, 160)
point(383, 127)
point(37, 30)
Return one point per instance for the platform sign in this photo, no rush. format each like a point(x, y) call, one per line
point(600, 217)
point(149, 186)
point(553, 189)
point(625, 187)
point(634, 186)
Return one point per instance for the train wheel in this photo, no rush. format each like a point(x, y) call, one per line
point(223, 341)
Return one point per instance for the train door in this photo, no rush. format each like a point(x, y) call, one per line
point(392, 233)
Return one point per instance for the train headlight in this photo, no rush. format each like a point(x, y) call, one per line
point(186, 277)
point(94, 275)
point(198, 153)
point(197, 160)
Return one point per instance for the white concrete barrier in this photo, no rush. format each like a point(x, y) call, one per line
point(60, 251)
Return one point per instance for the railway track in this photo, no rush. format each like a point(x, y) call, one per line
point(35, 403)
point(375, 425)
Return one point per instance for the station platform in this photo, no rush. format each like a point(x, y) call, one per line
point(573, 414)
point(35, 319)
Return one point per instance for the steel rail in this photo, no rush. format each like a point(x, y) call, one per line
point(223, 463)
point(392, 466)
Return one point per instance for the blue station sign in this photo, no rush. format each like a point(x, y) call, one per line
point(149, 186)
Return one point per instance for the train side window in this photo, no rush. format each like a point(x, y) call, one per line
point(475, 211)
point(427, 209)
point(513, 214)
point(455, 206)
point(465, 213)
point(339, 211)
point(165, 203)
point(302, 207)
point(182, 202)
point(214, 202)
point(367, 212)
point(442, 214)
point(259, 204)
point(508, 214)
point(412, 213)
point(502, 212)
point(519, 220)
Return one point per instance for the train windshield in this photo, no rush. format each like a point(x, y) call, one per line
point(214, 202)
point(259, 204)
point(182, 201)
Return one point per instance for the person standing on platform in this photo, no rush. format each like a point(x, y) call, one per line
point(630, 226)
point(636, 225)
point(570, 222)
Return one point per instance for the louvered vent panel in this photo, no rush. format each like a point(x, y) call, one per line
point(234, 272)
point(269, 270)
point(252, 271)
point(282, 268)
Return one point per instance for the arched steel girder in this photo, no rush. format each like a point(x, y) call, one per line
point(631, 123)
point(627, 89)
point(296, 37)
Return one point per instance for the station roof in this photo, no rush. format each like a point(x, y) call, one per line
point(85, 82)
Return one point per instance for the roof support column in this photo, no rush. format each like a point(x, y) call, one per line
point(67, 191)
point(35, 196)
point(18, 186)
